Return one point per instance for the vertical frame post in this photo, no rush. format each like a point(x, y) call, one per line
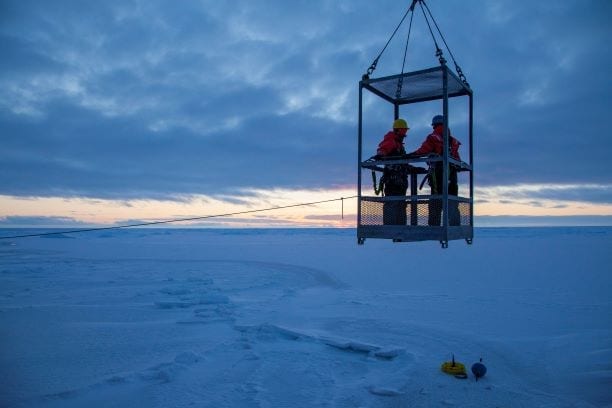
point(359, 159)
point(471, 140)
point(445, 153)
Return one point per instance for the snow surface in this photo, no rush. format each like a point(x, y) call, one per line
point(305, 318)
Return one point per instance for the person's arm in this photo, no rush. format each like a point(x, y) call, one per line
point(386, 147)
point(426, 147)
point(455, 149)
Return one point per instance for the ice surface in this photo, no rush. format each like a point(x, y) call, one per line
point(305, 318)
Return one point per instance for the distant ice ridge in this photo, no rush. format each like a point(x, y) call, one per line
point(356, 346)
point(207, 299)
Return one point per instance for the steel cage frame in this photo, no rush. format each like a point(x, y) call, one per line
point(409, 89)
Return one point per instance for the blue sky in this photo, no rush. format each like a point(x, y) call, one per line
point(122, 102)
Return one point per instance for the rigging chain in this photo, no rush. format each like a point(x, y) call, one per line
point(439, 52)
point(375, 62)
point(457, 67)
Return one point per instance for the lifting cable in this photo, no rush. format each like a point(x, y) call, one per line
point(400, 82)
point(439, 52)
point(181, 219)
point(433, 37)
point(457, 68)
point(375, 62)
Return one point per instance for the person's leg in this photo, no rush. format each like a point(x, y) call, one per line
point(389, 206)
point(453, 206)
point(394, 212)
point(401, 207)
point(435, 205)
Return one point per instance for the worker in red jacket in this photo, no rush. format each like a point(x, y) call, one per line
point(395, 176)
point(433, 144)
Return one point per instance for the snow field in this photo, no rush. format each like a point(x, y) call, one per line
point(273, 318)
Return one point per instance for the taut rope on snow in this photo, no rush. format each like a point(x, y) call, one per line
point(182, 219)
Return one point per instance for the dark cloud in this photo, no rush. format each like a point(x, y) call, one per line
point(117, 158)
point(542, 94)
point(38, 221)
point(597, 194)
point(543, 221)
point(129, 99)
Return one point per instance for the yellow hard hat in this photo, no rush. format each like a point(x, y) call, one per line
point(400, 124)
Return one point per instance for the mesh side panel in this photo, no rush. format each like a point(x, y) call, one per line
point(371, 213)
point(422, 212)
point(465, 210)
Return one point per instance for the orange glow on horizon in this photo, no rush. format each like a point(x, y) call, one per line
point(495, 201)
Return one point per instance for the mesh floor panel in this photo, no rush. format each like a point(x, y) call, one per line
point(418, 85)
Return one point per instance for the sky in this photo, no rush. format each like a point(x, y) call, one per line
point(121, 111)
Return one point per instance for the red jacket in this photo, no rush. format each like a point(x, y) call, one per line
point(391, 145)
point(434, 144)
